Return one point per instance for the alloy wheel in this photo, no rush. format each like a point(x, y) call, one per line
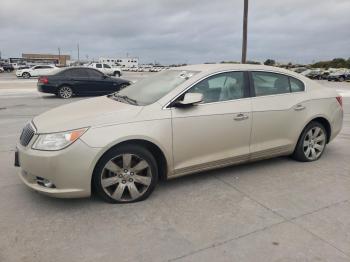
point(65, 92)
point(314, 143)
point(26, 75)
point(126, 177)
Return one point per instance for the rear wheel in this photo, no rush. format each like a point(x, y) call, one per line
point(26, 75)
point(341, 79)
point(116, 73)
point(126, 174)
point(312, 143)
point(65, 92)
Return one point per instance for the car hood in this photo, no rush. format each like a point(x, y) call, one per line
point(86, 113)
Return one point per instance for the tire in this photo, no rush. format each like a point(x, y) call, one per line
point(65, 92)
point(125, 169)
point(26, 75)
point(116, 73)
point(311, 144)
point(341, 79)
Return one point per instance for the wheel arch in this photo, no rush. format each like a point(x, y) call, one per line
point(154, 149)
point(322, 120)
point(326, 125)
point(65, 84)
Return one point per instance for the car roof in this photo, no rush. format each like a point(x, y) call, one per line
point(212, 68)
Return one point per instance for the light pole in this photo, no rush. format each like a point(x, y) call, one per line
point(59, 56)
point(245, 29)
point(78, 53)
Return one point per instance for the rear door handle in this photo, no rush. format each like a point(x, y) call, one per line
point(299, 107)
point(240, 117)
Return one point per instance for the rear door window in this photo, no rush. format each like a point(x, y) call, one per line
point(98, 65)
point(94, 73)
point(76, 73)
point(266, 83)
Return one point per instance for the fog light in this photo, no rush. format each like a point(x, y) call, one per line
point(45, 182)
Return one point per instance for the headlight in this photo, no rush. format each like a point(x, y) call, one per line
point(57, 141)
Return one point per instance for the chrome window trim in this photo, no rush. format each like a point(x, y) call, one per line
point(235, 70)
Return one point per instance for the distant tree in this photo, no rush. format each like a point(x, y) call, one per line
point(253, 62)
point(229, 62)
point(270, 62)
point(335, 63)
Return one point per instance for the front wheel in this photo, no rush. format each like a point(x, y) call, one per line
point(125, 174)
point(65, 92)
point(312, 143)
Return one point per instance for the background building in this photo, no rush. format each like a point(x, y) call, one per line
point(46, 59)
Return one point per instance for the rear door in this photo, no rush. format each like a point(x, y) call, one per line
point(277, 111)
point(79, 79)
point(36, 70)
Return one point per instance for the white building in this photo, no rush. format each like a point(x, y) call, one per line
point(122, 62)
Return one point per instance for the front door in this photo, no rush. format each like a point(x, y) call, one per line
point(215, 132)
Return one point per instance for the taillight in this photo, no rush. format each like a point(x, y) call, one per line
point(43, 80)
point(340, 101)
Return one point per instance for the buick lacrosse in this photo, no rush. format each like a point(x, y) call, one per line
point(176, 122)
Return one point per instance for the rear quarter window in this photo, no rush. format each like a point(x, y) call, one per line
point(296, 85)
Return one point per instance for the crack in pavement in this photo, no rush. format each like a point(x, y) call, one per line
point(290, 220)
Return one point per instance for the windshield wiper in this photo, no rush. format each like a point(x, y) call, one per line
point(124, 98)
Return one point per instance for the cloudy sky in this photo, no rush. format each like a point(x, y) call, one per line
point(177, 31)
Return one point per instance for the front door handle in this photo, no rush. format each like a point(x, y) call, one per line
point(299, 107)
point(240, 117)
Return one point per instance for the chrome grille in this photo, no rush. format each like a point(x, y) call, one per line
point(27, 134)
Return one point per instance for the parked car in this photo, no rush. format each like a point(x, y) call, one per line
point(176, 122)
point(339, 76)
point(79, 81)
point(36, 71)
point(315, 74)
point(106, 69)
point(7, 67)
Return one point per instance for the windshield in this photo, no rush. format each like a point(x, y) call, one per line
point(149, 90)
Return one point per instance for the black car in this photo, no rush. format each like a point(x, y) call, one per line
point(339, 77)
point(80, 81)
point(7, 67)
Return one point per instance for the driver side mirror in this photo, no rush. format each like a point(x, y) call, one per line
point(189, 99)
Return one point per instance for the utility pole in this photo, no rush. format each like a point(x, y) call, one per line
point(245, 32)
point(59, 56)
point(78, 53)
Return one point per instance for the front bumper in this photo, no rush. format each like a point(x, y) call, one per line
point(70, 169)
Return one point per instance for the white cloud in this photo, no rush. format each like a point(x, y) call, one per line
point(191, 31)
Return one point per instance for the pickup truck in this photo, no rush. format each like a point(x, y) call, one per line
point(106, 69)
